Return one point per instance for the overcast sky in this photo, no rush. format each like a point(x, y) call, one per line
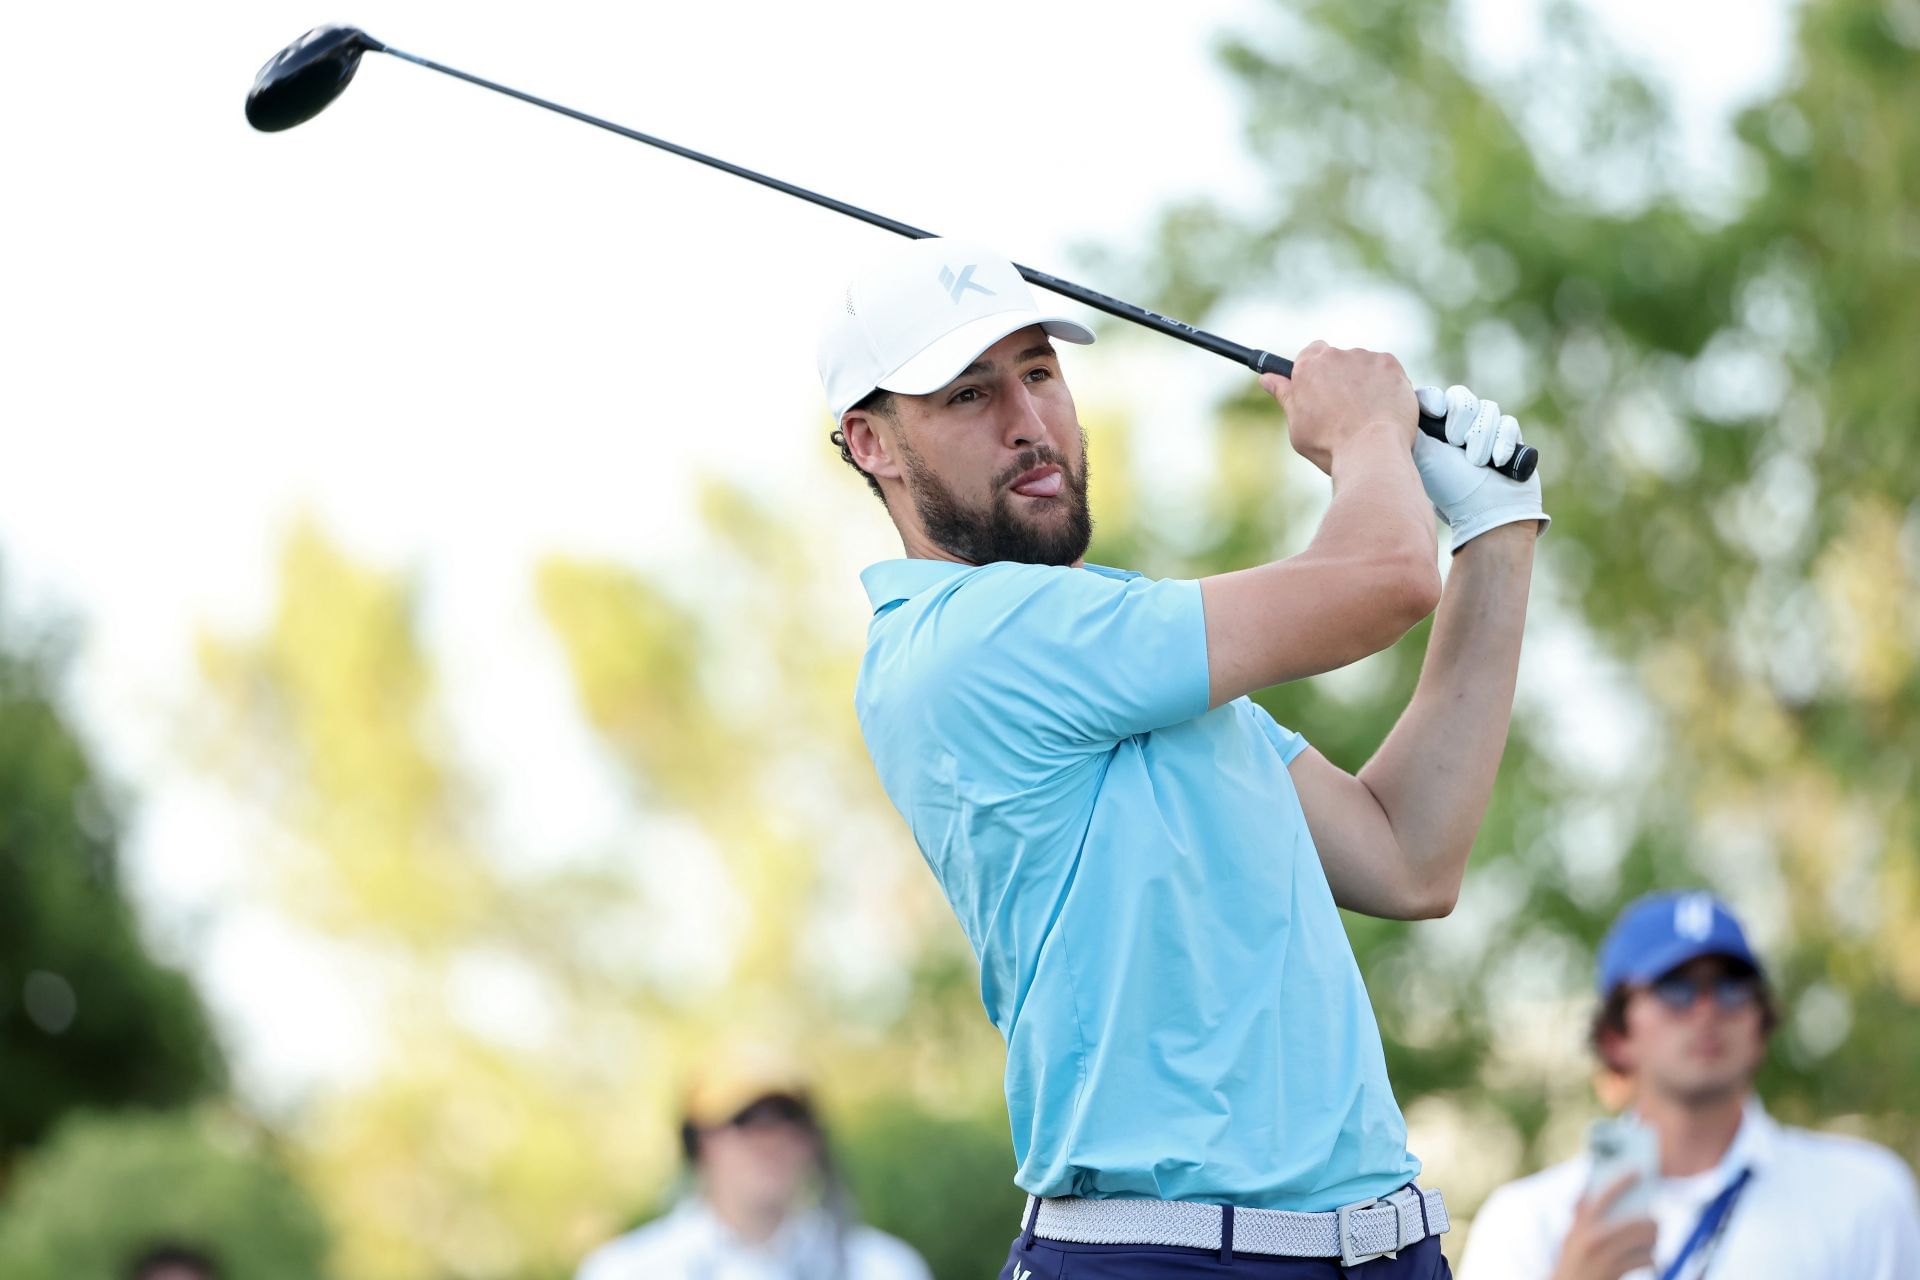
point(464, 333)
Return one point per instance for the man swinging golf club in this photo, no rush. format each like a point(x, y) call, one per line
point(1146, 864)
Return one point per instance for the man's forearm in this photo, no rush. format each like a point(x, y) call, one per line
point(1434, 774)
point(1366, 578)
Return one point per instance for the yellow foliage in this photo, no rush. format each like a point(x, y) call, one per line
point(1898, 892)
point(1870, 594)
point(330, 714)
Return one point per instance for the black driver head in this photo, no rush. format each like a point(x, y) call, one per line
point(298, 82)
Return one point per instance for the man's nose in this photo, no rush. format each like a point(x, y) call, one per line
point(1025, 427)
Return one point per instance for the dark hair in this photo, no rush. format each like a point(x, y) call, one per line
point(1611, 1016)
point(879, 401)
point(791, 1108)
point(164, 1256)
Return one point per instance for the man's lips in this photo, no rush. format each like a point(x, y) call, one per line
point(1041, 482)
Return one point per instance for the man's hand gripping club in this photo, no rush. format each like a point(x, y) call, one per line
point(1337, 399)
point(1394, 839)
point(1458, 473)
point(1371, 570)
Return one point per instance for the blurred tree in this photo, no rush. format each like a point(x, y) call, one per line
point(1719, 374)
point(332, 714)
point(107, 1187)
point(487, 1139)
point(87, 1017)
point(938, 1181)
point(542, 1016)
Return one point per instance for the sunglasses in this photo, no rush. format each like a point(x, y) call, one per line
point(773, 1112)
point(1730, 991)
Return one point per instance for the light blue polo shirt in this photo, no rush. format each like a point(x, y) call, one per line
point(1183, 1015)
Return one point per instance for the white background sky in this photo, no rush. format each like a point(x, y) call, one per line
point(464, 333)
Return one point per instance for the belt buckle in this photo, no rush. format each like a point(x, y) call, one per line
point(1344, 1214)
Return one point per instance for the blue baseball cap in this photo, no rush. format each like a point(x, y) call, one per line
point(1662, 931)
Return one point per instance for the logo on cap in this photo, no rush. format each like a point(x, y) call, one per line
point(958, 285)
point(1693, 916)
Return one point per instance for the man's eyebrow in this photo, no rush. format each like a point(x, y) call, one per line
point(980, 367)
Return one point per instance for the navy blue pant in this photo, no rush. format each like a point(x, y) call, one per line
point(1054, 1259)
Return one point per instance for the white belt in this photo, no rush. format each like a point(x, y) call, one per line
point(1356, 1233)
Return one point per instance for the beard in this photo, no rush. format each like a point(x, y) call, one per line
point(1000, 532)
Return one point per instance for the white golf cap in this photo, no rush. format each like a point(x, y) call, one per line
point(913, 318)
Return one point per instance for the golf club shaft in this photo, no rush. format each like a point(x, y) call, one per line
point(1519, 467)
point(700, 157)
point(1259, 361)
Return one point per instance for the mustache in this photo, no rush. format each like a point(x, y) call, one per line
point(1038, 456)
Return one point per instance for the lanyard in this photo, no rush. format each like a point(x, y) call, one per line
point(1713, 1219)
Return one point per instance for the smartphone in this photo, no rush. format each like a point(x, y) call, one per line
point(1620, 1146)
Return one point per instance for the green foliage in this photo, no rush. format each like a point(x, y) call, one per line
point(87, 1018)
point(943, 1185)
point(1720, 382)
point(106, 1188)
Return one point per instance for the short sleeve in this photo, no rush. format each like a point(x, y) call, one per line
point(1073, 654)
point(1288, 743)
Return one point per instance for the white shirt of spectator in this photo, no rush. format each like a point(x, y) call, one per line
point(691, 1243)
point(1818, 1207)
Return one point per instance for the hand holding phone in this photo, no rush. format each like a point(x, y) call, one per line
point(1619, 1147)
point(1600, 1246)
point(1612, 1233)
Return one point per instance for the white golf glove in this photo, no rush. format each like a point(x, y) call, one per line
point(1459, 473)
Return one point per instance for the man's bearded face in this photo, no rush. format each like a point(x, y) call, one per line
point(1010, 526)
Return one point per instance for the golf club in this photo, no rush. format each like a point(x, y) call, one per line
point(299, 81)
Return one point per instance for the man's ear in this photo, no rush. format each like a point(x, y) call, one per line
point(1615, 1052)
point(870, 445)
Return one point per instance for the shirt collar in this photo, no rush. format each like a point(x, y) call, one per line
point(799, 1234)
point(891, 581)
point(1752, 1146)
point(1753, 1142)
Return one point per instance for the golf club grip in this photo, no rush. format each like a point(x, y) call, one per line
point(1519, 467)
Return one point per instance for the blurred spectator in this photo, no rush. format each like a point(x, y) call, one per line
point(173, 1262)
point(766, 1203)
point(1685, 1015)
